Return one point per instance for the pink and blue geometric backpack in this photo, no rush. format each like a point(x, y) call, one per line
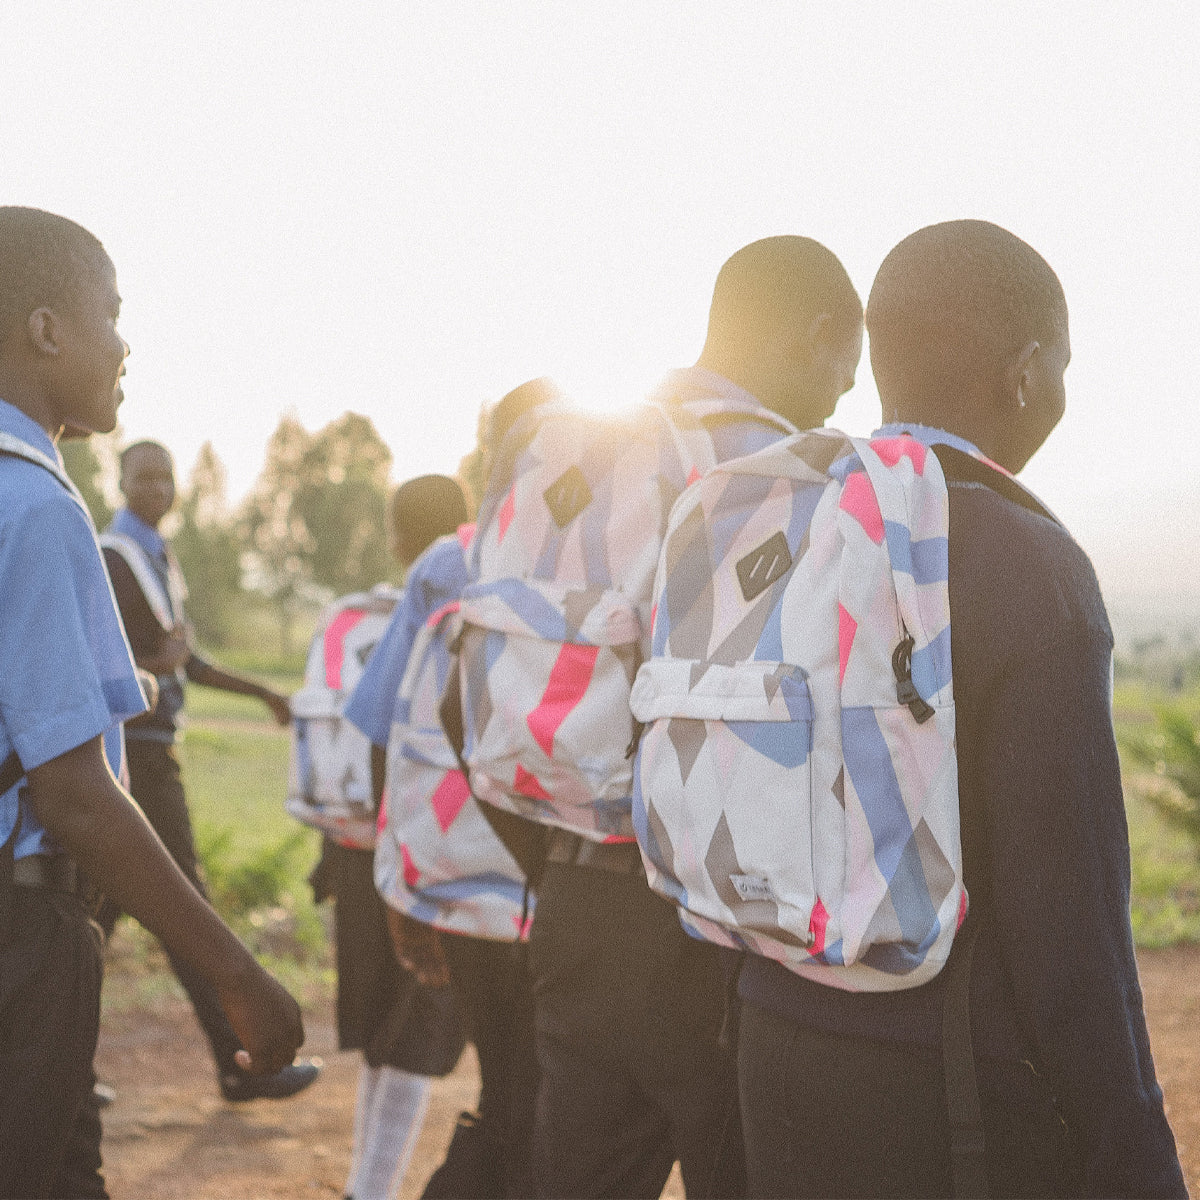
point(329, 781)
point(797, 782)
point(556, 618)
point(437, 859)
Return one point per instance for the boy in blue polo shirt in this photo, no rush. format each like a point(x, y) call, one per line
point(68, 679)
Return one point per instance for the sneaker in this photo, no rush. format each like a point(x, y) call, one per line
point(239, 1085)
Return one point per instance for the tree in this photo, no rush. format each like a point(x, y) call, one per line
point(209, 549)
point(316, 520)
point(342, 502)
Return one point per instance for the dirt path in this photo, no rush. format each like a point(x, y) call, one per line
point(170, 1136)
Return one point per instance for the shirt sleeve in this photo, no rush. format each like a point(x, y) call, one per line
point(68, 673)
point(372, 702)
point(1060, 881)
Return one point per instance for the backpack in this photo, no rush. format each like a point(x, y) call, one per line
point(797, 782)
point(556, 618)
point(329, 781)
point(437, 858)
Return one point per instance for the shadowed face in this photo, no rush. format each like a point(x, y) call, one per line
point(148, 483)
point(91, 359)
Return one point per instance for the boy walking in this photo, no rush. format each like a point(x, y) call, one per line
point(843, 1092)
point(150, 593)
point(68, 680)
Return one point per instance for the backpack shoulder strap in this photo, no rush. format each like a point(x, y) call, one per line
point(15, 447)
point(960, 467)
point(147, 578)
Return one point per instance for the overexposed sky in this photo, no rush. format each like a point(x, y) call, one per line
point(408, 208)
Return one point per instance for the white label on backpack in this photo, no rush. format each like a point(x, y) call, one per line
point(752, 887)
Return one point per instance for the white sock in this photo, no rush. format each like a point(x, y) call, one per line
point(397, 1110)
point(368, 1084)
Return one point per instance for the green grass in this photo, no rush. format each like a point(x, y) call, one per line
point(256, 857)
point(1165, 863)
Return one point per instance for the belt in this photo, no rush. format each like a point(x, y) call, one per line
point(55, 872)
point(622, 858)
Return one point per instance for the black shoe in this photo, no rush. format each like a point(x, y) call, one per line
point(239, 1085)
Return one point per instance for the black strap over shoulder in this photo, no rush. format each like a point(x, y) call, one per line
point(526, 841)
point(968, 1158)
point(960, 467)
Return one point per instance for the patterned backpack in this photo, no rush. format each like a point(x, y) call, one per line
point(329, 782)
point(556, 618)
point(797, 783)
point(437, 858)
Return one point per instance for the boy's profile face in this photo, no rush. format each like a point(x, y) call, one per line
point(91, 359)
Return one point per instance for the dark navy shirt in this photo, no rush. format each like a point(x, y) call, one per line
point(1045, 849)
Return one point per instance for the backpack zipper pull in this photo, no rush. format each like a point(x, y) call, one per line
point(905, 692)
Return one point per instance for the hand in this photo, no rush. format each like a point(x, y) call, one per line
point(418, 949)
point(174, 650)
point(266, 1019)
point(280, 706)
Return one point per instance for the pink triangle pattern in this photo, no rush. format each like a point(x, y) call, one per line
point(567, 685)
point(438, 613)
point(465, 534)
point(847, 628)
point(858, 499)
point(892, 450)
point(693, 476)
point(505, 515)
point(526, 783)
point(335, 642)
point(449, 797)
point(522, 927)
point(411, 874)
point(817, 924)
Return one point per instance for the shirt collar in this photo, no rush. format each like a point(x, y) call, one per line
point(19, 424)
point(146, 536)
point(928, 435)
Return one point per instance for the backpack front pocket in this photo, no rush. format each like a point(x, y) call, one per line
point(723, 794)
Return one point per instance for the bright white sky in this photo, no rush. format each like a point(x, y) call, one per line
point(407, 209)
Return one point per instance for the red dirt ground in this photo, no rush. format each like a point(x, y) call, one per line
point(169, 1136)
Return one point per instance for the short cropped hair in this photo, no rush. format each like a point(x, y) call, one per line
point(145, 444)
point(43, 258)
point(780, 278)
point(425, 509)
point(951, 305)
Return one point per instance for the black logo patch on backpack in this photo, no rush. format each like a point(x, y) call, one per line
point(763, 566)
point(568, 496)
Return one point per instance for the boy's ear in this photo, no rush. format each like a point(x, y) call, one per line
point(44, 330)
point(1018, 377)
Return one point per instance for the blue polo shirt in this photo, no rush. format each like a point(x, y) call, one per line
point(436, 578)
point(67, 673)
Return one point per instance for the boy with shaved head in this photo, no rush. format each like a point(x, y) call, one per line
point(67, 683)
point(150, 594)
point(843, 1092)
point(629, 1008)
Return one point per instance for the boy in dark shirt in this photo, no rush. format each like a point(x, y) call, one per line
point(842, 1093)
point(150, 594)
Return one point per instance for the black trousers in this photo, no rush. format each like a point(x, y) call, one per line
point(492, 981)
point(381, 1009)
point(826, 1115)
point(50, 971)
point(156, 784)
point(628, 1017)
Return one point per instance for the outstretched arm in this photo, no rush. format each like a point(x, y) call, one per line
point(84, 808)
point(201, 671)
